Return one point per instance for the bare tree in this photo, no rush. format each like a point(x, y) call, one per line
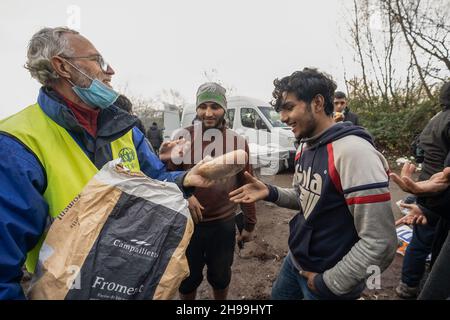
point(356, 37)
point(171, 97)
point(148, 110)
point(418, 29)
point(427, 24)
point(213, 76)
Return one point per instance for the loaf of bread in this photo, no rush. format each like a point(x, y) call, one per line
point(224, 166)
point(338, 116)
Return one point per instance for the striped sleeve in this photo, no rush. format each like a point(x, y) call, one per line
point(360, 172)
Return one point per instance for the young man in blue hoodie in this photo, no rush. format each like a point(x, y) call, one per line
point(345, 227)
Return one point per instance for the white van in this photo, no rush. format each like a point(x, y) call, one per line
point(256, 120)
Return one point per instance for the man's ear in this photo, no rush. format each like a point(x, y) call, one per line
point(318, 103)
point(60, 67)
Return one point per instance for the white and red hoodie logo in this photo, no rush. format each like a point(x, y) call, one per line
point(310, 188)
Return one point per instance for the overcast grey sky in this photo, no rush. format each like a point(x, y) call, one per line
point(156, 45)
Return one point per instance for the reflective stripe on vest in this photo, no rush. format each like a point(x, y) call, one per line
point(67, 168)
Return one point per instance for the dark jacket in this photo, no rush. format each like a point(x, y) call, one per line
point(435, 143)
point(155, 136)
point(350, 116)
point(140, 126)
point(438, 210)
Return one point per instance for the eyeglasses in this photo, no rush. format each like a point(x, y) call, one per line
point(97, 57)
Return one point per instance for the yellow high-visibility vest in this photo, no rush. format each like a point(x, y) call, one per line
point(67, 168)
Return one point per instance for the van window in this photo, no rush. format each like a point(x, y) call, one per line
point(251, 119)
point(230, 118)
point(272, 116)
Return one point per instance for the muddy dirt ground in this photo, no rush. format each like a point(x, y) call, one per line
point(256, 266)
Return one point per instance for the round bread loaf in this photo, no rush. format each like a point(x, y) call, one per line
point(224, 166)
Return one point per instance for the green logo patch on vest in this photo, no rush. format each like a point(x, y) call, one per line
point(128, 156)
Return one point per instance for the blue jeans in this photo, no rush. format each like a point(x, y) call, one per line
point(416, 254)
point(290, 285)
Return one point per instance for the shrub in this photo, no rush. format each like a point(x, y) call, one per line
point(394, 128)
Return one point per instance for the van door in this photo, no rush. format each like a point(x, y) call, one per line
point(264, 147)
point(253, 126)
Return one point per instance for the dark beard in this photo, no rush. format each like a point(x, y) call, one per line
point(309, 129)
point(219, 125)
point(310, 124)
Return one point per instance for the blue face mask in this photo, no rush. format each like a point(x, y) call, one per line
point(97, 94)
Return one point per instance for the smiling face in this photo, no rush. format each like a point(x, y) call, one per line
point(82, 47)
point(298, 115)
point(211, 114)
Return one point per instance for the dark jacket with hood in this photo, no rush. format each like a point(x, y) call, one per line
point(345, 228)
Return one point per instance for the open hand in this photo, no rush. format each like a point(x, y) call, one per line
point(415, 215)
point(173, 150)
point(437, 183)
point(251, 192)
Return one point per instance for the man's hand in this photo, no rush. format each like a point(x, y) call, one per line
point(251, 192)
point(194, 179)
point(407, 170)
point(245, 236)
point(437, 183)
point(415, 215)
point(310, 277)
point(172, 150)
point(195, 208)
point(338, 117)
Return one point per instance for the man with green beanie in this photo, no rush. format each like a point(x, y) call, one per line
point(214, 238)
